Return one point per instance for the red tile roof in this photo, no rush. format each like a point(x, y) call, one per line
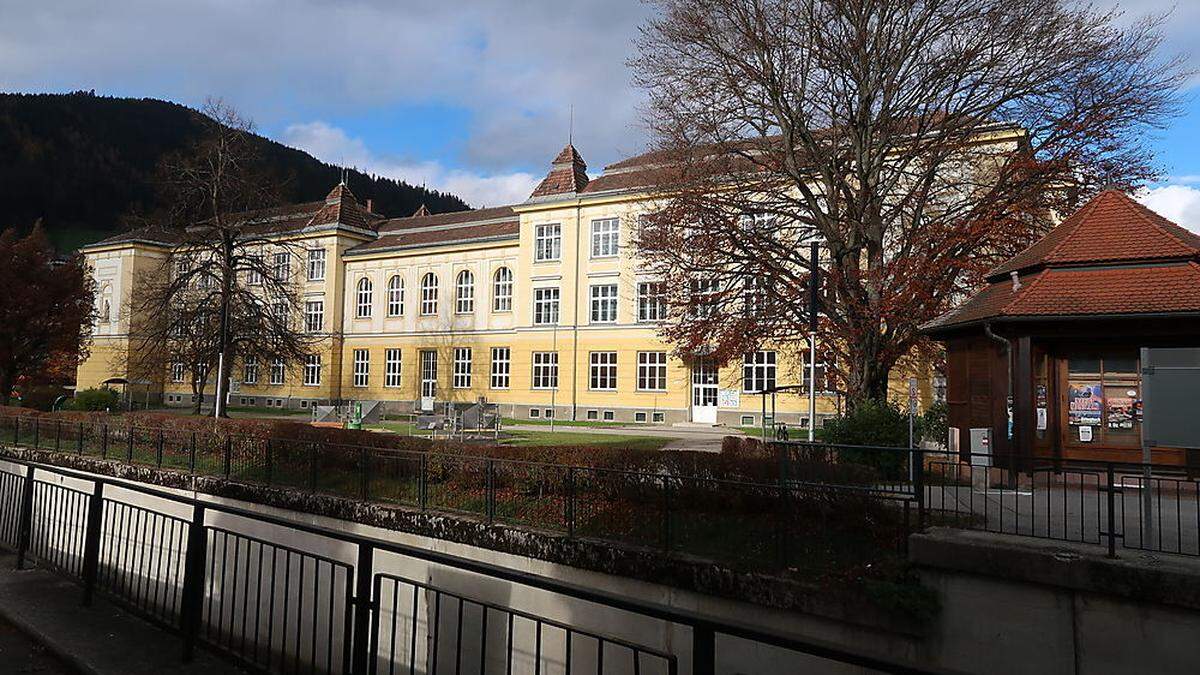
point(1113, 257)
point(499, 222)
point(568, 175)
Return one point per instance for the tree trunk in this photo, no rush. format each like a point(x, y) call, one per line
point(866, 374)
point(6, 387)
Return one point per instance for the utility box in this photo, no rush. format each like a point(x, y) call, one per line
point(1170, 380)
point(981, 446)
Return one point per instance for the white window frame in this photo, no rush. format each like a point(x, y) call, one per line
point(314, 316)
point(281, 263)
point(546, 305)
point(312, 370)
point(316, 264)
point(429, 294)
point(395, 295)
point(278, 374)
point(502, 290)
point(464, 292)
point(462, 368)
point(606, 237)
point(604, 303)
point(651, 305)
point(364, 298)
point(547, 242)
point(250, 370)
point(392, 367)
point(362, 367)
point(602, 371)
point(178, 372)
point(759, 371)
point(254, 270)
point(652, 371)
point(702, 303)
point(545, 370)
point(501, 369)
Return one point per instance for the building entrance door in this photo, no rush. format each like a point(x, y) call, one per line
point(704, 391)
point(428, 379)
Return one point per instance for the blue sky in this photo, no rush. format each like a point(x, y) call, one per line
point(468, 96)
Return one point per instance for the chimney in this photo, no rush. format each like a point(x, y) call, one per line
point(1016, 281)
point(370, 205)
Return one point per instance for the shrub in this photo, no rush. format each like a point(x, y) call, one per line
point(873, 423)
point(96, 399)
point(935, 423)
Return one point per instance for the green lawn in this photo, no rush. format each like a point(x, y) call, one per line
point(509, 421)
point(538, 439)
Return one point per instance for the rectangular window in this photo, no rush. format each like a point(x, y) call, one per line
point(609, 415)
point(312, 370)
point(316, 264)
point(604, 303)
point(534, 413)
point(658, 417)
point(545, 370)
point(545, 306)
point(603, 372)
point(254, 265)
point(758, 372)
point(177, 372)
point(605, 237)
point(362, 367)
point(593, 415)
point(462, 367)
point(547, 244)
point(429, 368)
point(314, 316)
point(250, 370)
point(652, 303)
point(391, 368)
point(703, 301)
point(639, 417)
point(501, 367)
point(282, 266)
point(278, 371)
point(652, 371)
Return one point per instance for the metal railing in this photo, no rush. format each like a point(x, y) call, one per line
point(1150, 507)
point(776, 519)
point(298, 597)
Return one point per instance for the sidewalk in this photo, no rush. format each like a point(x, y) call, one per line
point(98, 640)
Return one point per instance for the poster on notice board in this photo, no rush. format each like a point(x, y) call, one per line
point(1084, 402)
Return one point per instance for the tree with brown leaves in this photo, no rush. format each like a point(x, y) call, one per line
point(919, 141)
point(46, 311)
point(230, 287)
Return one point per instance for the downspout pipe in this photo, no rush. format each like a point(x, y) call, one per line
point(987, 330)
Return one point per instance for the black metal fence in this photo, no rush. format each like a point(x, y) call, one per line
point(326, 601)
point(803, 516)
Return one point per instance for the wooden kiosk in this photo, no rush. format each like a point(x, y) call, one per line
point(1044, 361)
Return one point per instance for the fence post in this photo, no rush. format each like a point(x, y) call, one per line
point(267, 462)
point(104, 441)
point(129, 445)
point(25, 522)
point(919, 485)
point(192, 455)
point(571, 501)
point(228, 455)
point(91, 542)
point(16, 432)
point(704, 650)
point(364, 473)
point(192, 602)
point(423, 482)
point(312, 466)
point(79, 441)
point(58, 436)
point(364, 606)
point(491, 490)
point(1112, 513)
point(158, 451)
point(37, 432)
point(666, 524)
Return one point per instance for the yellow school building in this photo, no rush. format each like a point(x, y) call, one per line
point(540, 307)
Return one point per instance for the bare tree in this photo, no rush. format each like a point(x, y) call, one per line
point(919, 141)
point(229, 288)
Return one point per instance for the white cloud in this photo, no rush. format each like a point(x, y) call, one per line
point(1180, 203)
point(334, 145)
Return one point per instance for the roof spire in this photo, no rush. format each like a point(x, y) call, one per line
point(423, 211)
point(568, 175)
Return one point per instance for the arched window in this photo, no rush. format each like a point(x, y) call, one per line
point(502, 289)
point(429, 294)
point(464, 295)
point(395, 296)
point(365, 298)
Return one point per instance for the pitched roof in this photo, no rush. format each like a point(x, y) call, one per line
point(568, 175)
point(1111, 227)
point(1113, 257)
point(418, 231)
